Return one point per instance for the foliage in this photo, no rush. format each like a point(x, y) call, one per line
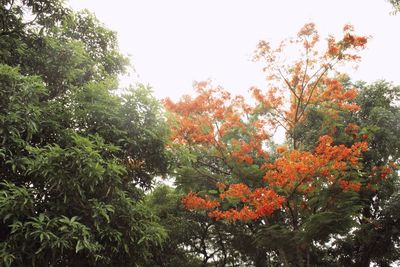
point(75, 156)
point(194, 239)
point(376, 236)
point(396, 5)
point(78, 158)
point(305, 192)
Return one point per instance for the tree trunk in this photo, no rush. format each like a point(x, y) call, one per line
point(282, 256)
point(364, 259)
point(300, 258)
point(261, 259)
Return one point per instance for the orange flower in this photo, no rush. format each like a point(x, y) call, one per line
point(349, 186)
point(352, 129)
point(240, 191)
point(227, 130)
point(281, 149)
point(221, 186)
point(193, 202)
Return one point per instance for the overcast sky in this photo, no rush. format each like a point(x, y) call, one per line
point(174, 42)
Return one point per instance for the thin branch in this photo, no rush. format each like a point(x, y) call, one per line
point(278, 113)
point(315, 86)
point(302, 86)
point(281, 124)
point(212, 180)
point(287, 83)
point(216, 169)
point(306, 69)
point(224, 158)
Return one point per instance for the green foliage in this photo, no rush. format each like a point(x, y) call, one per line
point(380, 119)
point(193, 238)
point(75, 156)
point(396, 5)
point(335, 225)
point(19, 107)
point(42, 13)
point(376, 235)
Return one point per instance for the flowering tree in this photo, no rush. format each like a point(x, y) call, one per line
point(294, 193)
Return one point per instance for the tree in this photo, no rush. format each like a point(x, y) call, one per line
point(375, 237)
point(302, 194)
point(76, 157)
point(193, 238)
point(395, 4)
point(19, 16)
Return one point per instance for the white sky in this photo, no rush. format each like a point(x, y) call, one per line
point(174, 42)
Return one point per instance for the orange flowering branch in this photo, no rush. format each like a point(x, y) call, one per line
point(258, 203)
point(226, 128)
point(304, 171)
point(193, 202)
point(308, 81)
